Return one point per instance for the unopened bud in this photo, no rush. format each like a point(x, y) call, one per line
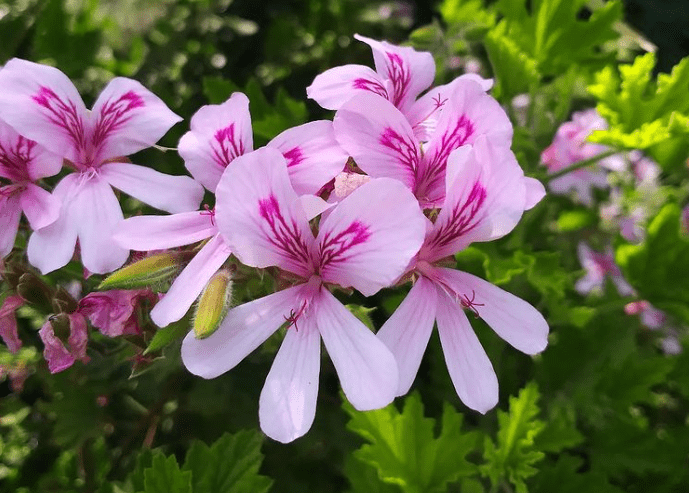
point(35, 291)
point(213, 304)
point(63, 302)
point(150, 272)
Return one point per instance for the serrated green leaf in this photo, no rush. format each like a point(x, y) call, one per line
point(165, 476)
point(513, 456)
point(404, 450)
point(515, 71)
point(643, 113)
point(363, 478)
point(230, 465)
point(657, 267)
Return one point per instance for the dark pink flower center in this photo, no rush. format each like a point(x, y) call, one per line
point(113, 115)
point(14, 160)
point(463, 218)
point(372, 86)
point(294, 156)
point(227, 146)
point(285, 236)
point(334, 247)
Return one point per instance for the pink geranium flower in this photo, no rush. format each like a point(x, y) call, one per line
point(218, 135)
point(113, 312)
point(383, 143)
point(401, 74)
point(42, 104)
point(60, 354)
point(569, 146)
point(23, 162)
point(485, 197)
point(598, 266)
point(366, 242)
point(8, 322)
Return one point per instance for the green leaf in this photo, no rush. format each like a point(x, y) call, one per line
point(643, 113)
point(515, 71)
point(230, 465)
point(363, 314)
point(363, 478)
point(167, 335)
point(404, 450)
point(565, 477)
point(217, 90)
point(165, 476)
point(466, 12)
point(657, 267)
point(515, 453)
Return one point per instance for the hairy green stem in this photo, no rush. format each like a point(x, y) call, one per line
point(580, 164)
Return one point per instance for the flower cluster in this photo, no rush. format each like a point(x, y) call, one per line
point(404, 177)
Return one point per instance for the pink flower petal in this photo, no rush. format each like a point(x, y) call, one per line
point(145, 233)
point(244, 329)
point(97, 212)
point(313, 155)
point(485, 197)
point(512, 318)
point(287, 405)
point(22, 159)
point(470, 369)
point(42, 104)
point(165, 192)
point(467, 113)
point(219, 133)
point(10, 212)
point(407, 331)
point(260, 215)
point(366, 368)
point(369, 238)
point(127, 118)
point(379, 138)
point(336, 86)
point(535, 191)
point(8, 323)
point(190, 282)
point(39, 206)
point(53, 246)
point(409, 71)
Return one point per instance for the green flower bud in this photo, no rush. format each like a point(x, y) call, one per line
point(213, 304)
point(152, 272)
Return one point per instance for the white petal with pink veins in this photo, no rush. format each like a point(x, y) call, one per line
point(366, 368)
point(407, 331)
point(379, 138)
point(10, 212)
point(512, 318)
point(287, 405)
point(219, 134)
point(470, 369)
point(53, 246)
point(127, 118)
point(409, 71)
point(369, 238)
point(260, 215)
point(145, 233)
point(244, 329)
point(165, 192)
point(336, 86)
point(39, 206)
point(313, 155)
point(190, 282)
point(96, 212)
point(42, 104)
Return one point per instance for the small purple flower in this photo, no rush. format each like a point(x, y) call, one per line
point(598, 266)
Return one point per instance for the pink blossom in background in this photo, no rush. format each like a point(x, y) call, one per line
point(23, 162)
point(219, 134)
point(570, 146)
point(8, 322)
point(366, 242)
point(113, 312)
point(598, 266)
point(650, 316)
point(17, 375)
point(62, 355)
point(486, 195)
point(383, 143)
point(42, 104)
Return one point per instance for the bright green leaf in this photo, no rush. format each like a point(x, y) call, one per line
point(405, 451)
point(165, 476)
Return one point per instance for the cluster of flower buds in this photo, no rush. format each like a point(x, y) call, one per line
point(403, 178)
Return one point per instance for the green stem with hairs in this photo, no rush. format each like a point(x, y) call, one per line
point(580, 164)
